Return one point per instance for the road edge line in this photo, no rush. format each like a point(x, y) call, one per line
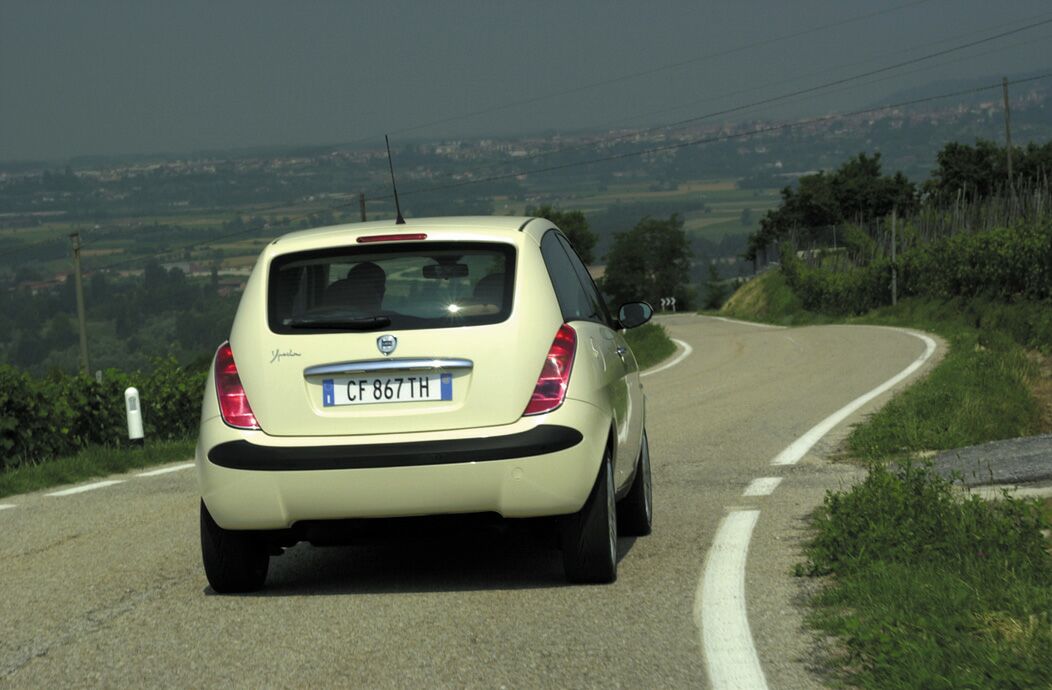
point(800, 447)
point(744, 323)
point(166, 470)
point(719, 607)
point(687, 350)
point(85, 487)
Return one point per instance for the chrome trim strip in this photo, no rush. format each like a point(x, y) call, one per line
point(370, 366)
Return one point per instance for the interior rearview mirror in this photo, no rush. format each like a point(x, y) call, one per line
point(634, 314)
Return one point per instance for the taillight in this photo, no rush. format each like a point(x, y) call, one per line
point(233, 403)
point(400, 237)
point(555, 374)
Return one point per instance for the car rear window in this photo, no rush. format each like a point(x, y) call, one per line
point(403, 286)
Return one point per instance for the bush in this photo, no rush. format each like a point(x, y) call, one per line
point(650, 344)
point(932, 590)
point(41, 419)
point(31, 426)
point(911, 515)
point(1005, 264)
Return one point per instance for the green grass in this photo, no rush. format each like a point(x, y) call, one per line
point(97, 461)
point(768, 299)
point(929, 589)
point(932, 589)
point(979, 392)
point(650, 344)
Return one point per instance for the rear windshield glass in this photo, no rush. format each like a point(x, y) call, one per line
point(408, 286)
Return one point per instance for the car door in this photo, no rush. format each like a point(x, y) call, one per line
point(610, 351)
point(628, 390)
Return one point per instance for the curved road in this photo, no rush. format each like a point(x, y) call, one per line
point(105, 587)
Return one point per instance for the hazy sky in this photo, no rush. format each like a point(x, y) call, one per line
point(102, 76)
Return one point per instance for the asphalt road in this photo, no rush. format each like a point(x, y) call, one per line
point(105, 587)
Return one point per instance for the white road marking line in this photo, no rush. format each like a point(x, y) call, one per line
point(719, 607)
point(86, 487)
point(744, 323)
point(687, 349)
point(166, 470)
point(800, 446)
point(5, 506)
point(763, 486)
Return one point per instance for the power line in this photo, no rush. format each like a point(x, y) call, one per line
point(873, 58)
point(680, 123)
point(714, 139)
point(604, 141)
point(622, 156)
point(641, 73)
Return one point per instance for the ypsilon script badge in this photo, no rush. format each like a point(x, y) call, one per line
point(386, 344)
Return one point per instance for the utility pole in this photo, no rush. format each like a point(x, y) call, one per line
point(1008, 131)
point(361, 204)
point(80, 304)
point(894, 268)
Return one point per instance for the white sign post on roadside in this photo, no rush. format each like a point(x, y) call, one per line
point(134, 410)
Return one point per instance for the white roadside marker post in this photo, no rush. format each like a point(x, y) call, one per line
point(134, 410)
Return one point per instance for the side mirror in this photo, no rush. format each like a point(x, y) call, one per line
point(634, 314)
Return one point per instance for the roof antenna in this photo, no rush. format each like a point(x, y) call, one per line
point(399, 220)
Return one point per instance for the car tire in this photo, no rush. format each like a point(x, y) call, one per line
point(235, 561)
point(589, 538)
point(635, 512)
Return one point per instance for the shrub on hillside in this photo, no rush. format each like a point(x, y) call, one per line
point(1005, 264)
point(31, 426)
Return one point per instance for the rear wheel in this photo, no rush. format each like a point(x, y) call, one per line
point(235, 561)
point(635, 512)
point(590, 535)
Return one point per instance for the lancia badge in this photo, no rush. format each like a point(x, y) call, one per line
point(386, 344)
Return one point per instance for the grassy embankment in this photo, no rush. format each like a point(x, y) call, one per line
point(928, 588)
point(95, 461)
point(650, 344)
point(987, 387)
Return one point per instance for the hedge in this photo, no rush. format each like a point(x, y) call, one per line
point(45, 418)
point(1005, 264)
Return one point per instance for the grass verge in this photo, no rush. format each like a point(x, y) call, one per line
point(650, 344)
point(96, 461)
point(924, 588)
point(929, 590)
point(981, 391)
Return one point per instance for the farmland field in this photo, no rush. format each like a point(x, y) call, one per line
point(711, 209)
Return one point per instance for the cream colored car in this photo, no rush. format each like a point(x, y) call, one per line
point(441, 366)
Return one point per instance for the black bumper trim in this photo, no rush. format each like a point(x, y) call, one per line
point(242, 455)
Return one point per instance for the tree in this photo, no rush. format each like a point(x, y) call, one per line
point(574, 225)
point(981, 170)
point(649, 262)
point(716, 292)
point(855, 192)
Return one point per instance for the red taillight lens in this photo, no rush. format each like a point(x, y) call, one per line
point(555, 374)
point(233, 403)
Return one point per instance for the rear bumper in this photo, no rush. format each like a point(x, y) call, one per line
point(540, 440)
point(537, 466)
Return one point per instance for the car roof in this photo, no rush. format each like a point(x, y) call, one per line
point(475, 226)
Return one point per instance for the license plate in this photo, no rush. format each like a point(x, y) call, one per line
point(369, 390)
